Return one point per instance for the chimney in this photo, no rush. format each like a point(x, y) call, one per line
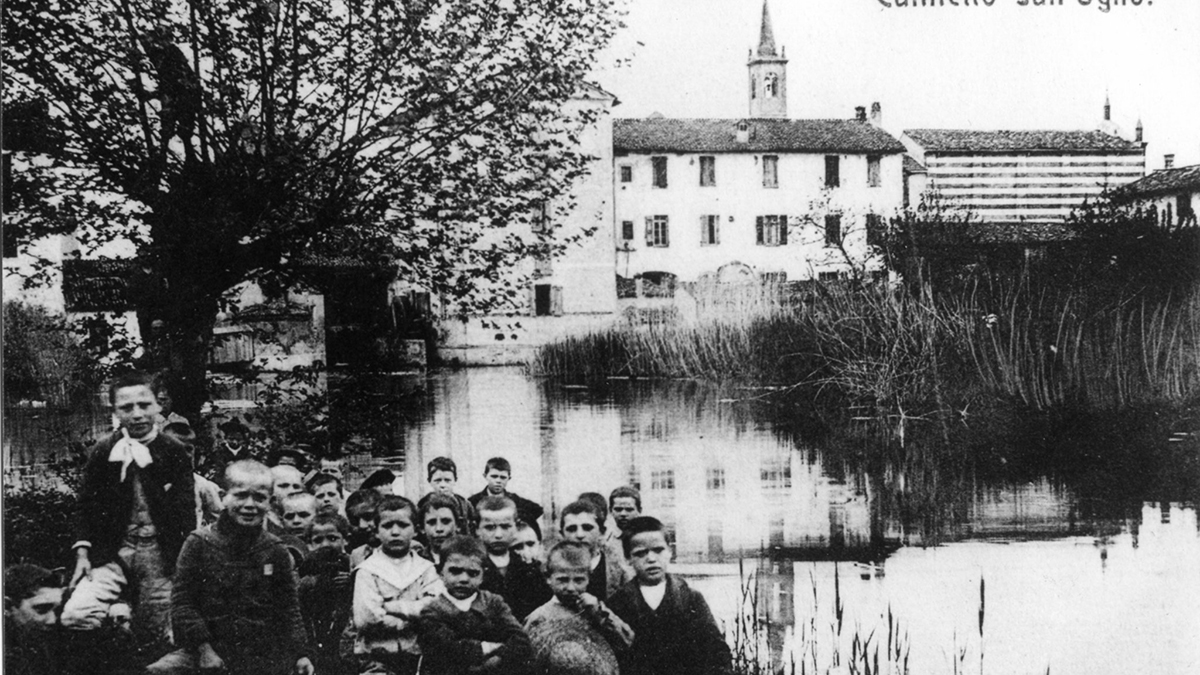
point(1169, 161)
point(1107, 108)
point(860, 113)
point(876, 115)
point(1137, 132)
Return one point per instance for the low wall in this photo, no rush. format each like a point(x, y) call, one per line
point(509, 340)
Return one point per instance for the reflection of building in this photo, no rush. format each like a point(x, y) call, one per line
point(762, 196)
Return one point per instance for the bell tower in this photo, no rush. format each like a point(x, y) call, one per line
point(768, 73)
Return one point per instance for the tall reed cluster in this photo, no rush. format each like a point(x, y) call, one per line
point(894, 353)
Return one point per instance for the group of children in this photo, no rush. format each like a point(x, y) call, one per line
point(291, 578)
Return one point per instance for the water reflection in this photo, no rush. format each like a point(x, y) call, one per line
point(1089, 567)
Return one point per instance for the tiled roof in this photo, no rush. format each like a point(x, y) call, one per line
point(1020, 233)
point(967, 140)
point(97, 285)
point(766, 135)
point(1183, 179)
point(911, 165)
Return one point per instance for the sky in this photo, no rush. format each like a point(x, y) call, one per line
point(1007, 66)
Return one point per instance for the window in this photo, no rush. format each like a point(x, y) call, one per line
point(833, 230)
point(657, 232)
point(627, 230)
point(770, 171)
point(660, 171)
point(770, 85)
point(715, 479)
point(875, 231)
point(771, 230)
point(710, 230)
point(662, 480)
point(832, 178)
point(828, 276)
point(753, 87)
point(873, 170)
point(547, 300)
point(708, 171)
point(626, 173)
point(541, 218)
point(776, 474)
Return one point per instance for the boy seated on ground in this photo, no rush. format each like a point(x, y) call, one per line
point(583, 522)
point(391, 587)
point(362, 507)
point(575, 632)
point(519, 583)
point(527, 544)
point(497, 472)
point(234, 605)
point(467, 629)
point(325, 593)
point(674, 631)
point(443, 477)
point(32, 599)
point(439, 519)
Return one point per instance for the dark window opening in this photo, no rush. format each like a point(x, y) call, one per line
point(770, 171)
point(833, 230)
point(708, 171)
point(832, 169)
point(660, 171)
point(710, 232)
point(626, 173)
point(873, 179)
point(627, 230)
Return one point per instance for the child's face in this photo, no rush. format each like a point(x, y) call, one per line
point(439, 524)
point(247, 498)
point(136, 409)
point(297, 515)
point(496, 529)
point(288, 481)
point(649, 555)
point(583, 528)
point(362, 519)
point(623, 510)
point(567, 582)
point(36, 612)
point(328, 496)
point(333, 467)
point(396, 532)
point(526, 545)
point(443, 482)
point(497, 481)
point(462, 576)
point(326, 535)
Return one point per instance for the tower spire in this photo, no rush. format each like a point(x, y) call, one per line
point(766, 36)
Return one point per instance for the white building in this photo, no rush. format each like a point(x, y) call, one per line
point(764, 195)
point(1173, 193)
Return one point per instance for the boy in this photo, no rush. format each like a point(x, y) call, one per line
point(32, 597)
point(442, 473)
point(137, 504)
point(439, 520)
point(519, 583)
point(575, 632)
point(361, 508)
point(675, 633)
point(325, 589)
point(391, 588)
point(332, 466)
point(497, 472)
point(234, 606)
point(467, 629)
point(288, 481)
point(328, 491)
point(527, 544)
point(297, 513)
point(625, 504)
point(581, 521)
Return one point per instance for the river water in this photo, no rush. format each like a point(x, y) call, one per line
point(1078, 572)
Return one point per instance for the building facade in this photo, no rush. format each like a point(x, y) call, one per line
point(1173, 193)
point(763, 196)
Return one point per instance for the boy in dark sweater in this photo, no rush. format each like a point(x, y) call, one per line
point(467, 629)
point(234, 605)
point(521, 584)
point(675, 633)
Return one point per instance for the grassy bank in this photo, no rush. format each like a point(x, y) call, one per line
point(887, 351)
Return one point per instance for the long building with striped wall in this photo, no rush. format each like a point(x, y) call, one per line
point(1023, 177)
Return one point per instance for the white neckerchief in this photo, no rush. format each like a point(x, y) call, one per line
point(129, 450)
point(463, 605)
point(653, 595)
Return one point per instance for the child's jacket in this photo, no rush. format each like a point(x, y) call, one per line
point(381, 579)
point(679, 638)
point(235, 588)
point(450, 638)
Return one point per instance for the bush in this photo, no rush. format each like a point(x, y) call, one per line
point(38, 527)
point(42, 360)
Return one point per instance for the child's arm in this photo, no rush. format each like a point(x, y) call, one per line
point(189, 625)
point(616, 632)
point(370, 606)
point(417, 596)
point(708, 638)
point(515, 646)
point(287, 605)
point(443, 646)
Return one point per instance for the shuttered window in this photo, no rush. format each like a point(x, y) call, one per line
point(710, 230)
point(833, 230)
point(657, 231)
point(770, 164)
point(873, 171)
point(660, 171)
point(708, 171)
point(832, 171)
point(771, 230)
